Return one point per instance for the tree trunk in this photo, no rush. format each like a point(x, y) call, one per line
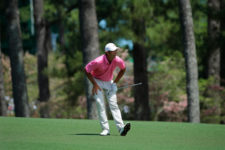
point(190, 61)
point(142, 109)
point(3, 107)
point(42, 54)
point(90, 46)
point(222, 44)
point(61, 35)
point(213, 68)
point(16, 60)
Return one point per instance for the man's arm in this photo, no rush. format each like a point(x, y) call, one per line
point(119, 76)
point(95, 85)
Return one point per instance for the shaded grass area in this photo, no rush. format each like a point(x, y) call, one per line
point(72, 134)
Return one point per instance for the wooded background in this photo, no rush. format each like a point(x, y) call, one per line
point(175, 48)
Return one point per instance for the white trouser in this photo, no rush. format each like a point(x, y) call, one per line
point(112, 100)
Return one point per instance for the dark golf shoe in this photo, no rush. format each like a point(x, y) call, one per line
point(124, 130)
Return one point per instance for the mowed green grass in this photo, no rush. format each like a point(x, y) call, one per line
point(72, 134)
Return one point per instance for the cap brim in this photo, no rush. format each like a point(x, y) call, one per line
point(112, 49)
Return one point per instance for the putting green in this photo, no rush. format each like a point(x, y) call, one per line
point(72, 134)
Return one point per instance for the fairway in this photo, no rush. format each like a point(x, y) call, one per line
point(72, 134)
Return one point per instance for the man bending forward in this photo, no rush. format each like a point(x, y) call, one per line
point(100, 72)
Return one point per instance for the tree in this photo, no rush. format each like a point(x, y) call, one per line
point(42, 38)
point(142, 110)
point(213, 65)
point(3, 108)
point(16, 60)
point(90, 46)
point(190, 61)
point(222, 44)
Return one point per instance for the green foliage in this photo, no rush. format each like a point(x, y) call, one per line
point(141, 9)
point(171, 70)
point(30, 67)
point(75, 87)
point(50, 11)
point(7, 75)
point(56, 65)
point(162, 36)
point(200, 29)
point(25, 23)
point(73, 81)
point(30, 63)
point(25, 13)
point(65, 64)
point(56, 10)
point(167, 84)
point(211, 101)
point(160, 18)
point(163, 41)
point(67, 89)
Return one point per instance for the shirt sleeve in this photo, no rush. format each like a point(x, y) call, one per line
point(91, 66)
point(120, 63)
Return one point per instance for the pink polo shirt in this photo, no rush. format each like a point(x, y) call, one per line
point(100, 68)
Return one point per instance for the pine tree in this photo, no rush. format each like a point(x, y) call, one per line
point(42, 39)
point(213, 65)
point(90, 46)
point(190, 61)
point(16, 60)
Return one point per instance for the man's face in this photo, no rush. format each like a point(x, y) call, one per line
point(111, 54)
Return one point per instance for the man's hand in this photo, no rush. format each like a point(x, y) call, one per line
point(95, 85)
point(95, 89)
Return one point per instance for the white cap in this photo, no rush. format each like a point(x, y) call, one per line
point(110, 47)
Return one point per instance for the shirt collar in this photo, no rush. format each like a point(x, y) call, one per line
point(106, 60)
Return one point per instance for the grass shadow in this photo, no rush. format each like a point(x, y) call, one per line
point(88, 134)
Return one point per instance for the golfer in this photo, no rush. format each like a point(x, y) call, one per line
point(100, 72)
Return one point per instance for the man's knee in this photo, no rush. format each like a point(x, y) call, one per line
point(113, 105)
